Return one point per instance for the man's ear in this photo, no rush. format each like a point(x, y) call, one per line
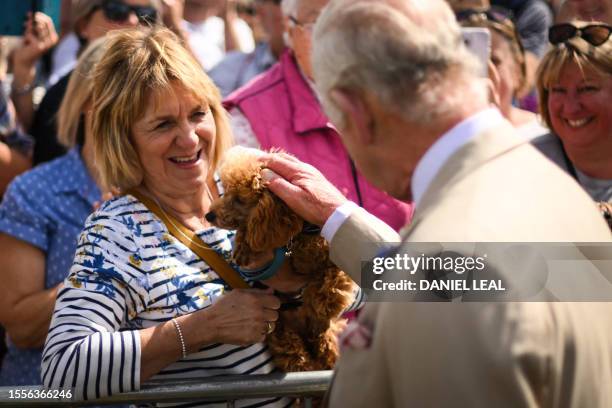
point(356, 113)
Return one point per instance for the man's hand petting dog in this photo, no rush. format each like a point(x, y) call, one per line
point(302, 187)
point(241, 317)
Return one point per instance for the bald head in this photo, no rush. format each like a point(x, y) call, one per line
point(409, 53)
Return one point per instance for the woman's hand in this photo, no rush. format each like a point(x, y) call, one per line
point(240, 317)
point(39, 37)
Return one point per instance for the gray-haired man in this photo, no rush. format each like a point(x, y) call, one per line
point(396, 79)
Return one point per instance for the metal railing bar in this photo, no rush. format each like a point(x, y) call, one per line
point(227, 388)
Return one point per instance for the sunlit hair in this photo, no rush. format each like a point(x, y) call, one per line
point(573, 51)
point(78, 93)
point(507, 30)
point(137, 66)
point(410, 55)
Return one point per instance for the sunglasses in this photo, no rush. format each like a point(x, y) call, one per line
point(119, 12)
point(594, 34)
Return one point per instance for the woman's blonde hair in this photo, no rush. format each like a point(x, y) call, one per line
point(575, 50)
point(137, 64)
point(78, 93)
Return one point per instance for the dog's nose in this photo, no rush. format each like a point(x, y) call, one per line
point(210, 216)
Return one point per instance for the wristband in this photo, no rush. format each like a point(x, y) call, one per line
point(23, 90)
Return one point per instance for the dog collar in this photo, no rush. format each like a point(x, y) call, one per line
point(310, 229)
point(267, 271)
point(289, 300)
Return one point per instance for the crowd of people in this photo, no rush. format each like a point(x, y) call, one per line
point(394, 135)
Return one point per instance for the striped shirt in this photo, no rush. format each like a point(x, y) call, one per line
point(128, 274)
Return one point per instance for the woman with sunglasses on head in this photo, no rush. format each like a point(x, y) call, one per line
point(508, 57)
point(92, 19)
point(575, 86)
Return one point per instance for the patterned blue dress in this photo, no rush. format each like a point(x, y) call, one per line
point(46, 207)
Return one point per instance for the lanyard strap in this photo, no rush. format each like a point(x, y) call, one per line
point(192, 241)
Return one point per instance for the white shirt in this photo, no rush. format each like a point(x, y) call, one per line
point(64, 58)
point(207, 39)
point(429, 165)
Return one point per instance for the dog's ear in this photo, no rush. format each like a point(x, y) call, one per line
point(271, 224)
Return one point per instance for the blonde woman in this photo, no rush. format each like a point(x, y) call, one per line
point(575, 86)
point(40, 219)
point(139, 304)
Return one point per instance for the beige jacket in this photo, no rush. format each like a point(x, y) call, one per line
point(495, 188)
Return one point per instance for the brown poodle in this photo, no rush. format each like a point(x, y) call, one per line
point(305, 337)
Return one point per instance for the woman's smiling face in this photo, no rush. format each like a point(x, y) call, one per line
point(173, 139)
point(580, 106)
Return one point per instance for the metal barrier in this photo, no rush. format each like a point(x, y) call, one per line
point(227, 388)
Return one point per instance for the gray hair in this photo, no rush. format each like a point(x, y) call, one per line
point(408, 53)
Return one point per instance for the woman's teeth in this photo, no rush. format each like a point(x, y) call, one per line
point(578, 123)
point(185, 159)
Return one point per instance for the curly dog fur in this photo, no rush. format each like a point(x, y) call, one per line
point(305, 338)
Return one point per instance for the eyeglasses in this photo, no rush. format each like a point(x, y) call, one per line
point(306, 26)
point(594, 34)
point(119, 12)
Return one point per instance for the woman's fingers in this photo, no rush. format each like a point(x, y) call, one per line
point(270, 315)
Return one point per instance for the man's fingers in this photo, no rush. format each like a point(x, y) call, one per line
point(289, 157)
point(284, 165)
point(279, 186)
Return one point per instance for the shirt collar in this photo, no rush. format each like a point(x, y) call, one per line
point(447, 145)
point(77, 177)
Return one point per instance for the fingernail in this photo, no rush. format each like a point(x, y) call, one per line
point(269, 175)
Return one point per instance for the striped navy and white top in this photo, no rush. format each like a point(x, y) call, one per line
point(129, 273)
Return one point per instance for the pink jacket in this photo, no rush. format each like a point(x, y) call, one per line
point(284, 113)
